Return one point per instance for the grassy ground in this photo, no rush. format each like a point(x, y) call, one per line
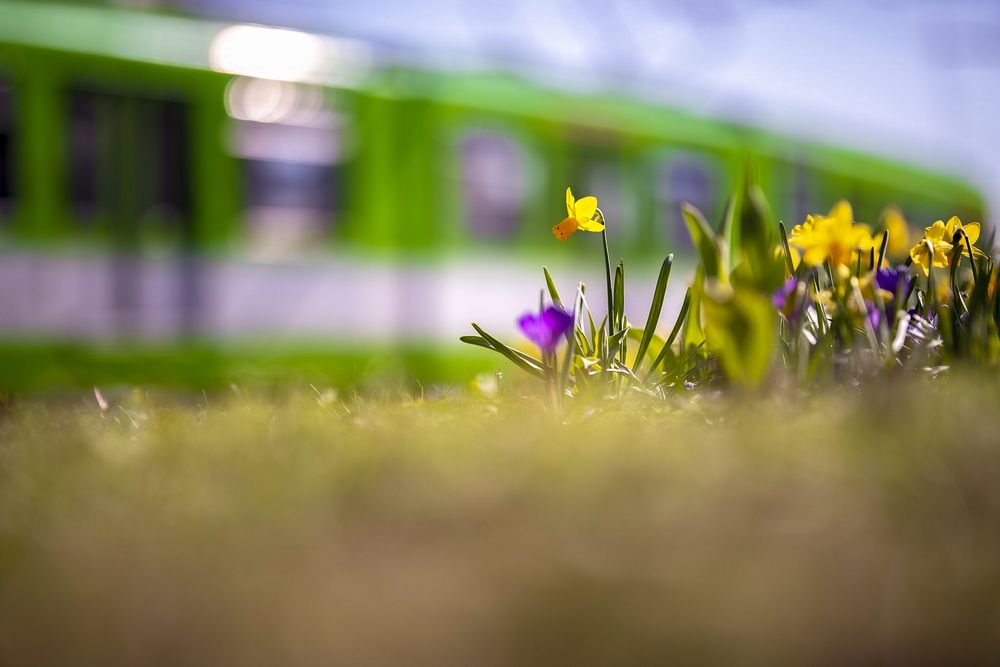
point(304, 530)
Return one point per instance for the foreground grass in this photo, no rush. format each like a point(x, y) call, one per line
point(862, 528)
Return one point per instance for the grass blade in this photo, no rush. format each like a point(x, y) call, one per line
point(881, 250)
point(681, 316)
point(705, 242)
point(654, 310)
point(728, 232)
point(553, 292)
point(479, 341)
point(786, 249)
point(618, 313)
point(521, 360)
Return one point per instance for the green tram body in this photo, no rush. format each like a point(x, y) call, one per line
point(397, 185)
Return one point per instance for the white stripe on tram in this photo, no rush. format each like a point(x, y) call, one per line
point(344, 299)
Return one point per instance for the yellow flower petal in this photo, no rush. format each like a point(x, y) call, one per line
point(565, 229)
point(918, 254)
point(569, 203)
point(972, 231)
point(952, 226)
point(814, 256)
point(842, 212)
point(941, 254)
point(935, 232)
point(585, 208)
point(861, 236)
point(898, 230)
point(590, 225)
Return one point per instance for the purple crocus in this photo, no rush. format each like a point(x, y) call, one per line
point(780, 296)
point(788, 301)
point(894, 281)
point(874, 315)
point(546, 328)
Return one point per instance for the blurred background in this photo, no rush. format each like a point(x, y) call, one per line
point(319, 175)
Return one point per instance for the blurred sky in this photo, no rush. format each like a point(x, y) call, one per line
point(918, 80)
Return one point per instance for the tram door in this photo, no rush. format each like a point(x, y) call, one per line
point(129, 188)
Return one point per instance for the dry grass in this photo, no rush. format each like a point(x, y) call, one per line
point(861, 528)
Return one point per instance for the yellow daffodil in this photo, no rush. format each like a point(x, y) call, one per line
point(954, 225)
point(833, 237)
point(939, 237)
point(899, 233)
point(579, 215)
point(933, 249)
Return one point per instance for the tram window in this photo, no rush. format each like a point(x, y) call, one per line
point(6, 152)
point(684, 178)
point(288, 185)
point(84, 164)
point(290, 143)
point(128, 162)
point(494, 189)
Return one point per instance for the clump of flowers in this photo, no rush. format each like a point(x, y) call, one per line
point(829, 302)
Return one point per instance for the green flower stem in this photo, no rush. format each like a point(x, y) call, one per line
point(607, 275)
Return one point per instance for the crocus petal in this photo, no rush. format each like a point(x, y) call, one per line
point(893, 280)
point(533, 328)
point(874, 315)
point(557, 321)
point(570, 203)
point(585, 208)
point(565, 228)
point(780, 296)
point(545, 330)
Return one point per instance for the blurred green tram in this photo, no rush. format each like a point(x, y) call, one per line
point(169, 184)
